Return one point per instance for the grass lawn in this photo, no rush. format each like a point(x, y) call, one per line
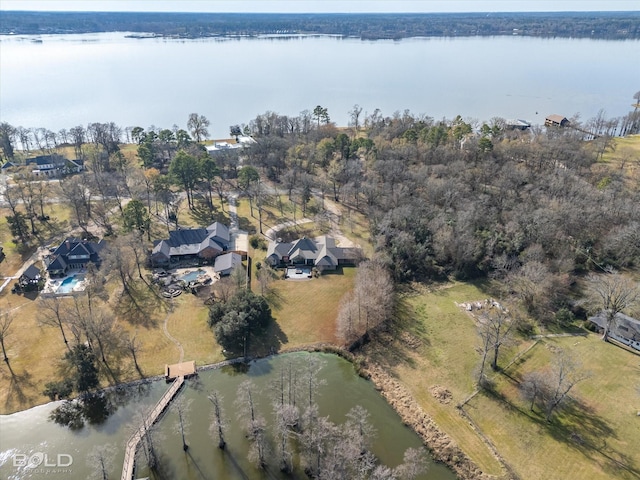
point(305, 310)
point(596, 437)
point(623, 157)
point(35, 351)
point(187, 323)
point(434, 346)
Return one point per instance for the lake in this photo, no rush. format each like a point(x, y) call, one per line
point(29, 432)
point(60, 81)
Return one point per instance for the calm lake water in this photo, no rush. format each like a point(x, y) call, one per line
point(29, 432)
point(60, 81)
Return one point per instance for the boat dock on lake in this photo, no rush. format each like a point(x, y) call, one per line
point(177, 373)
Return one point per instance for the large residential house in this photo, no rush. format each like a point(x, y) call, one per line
point(624, 329)
point(54, 165)
point(191, 244)
point(73, 254)
point(321, 253)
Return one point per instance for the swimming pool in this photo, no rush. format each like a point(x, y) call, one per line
point(69, 283)
point(192, 276)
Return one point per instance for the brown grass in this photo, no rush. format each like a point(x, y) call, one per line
point(306, 310)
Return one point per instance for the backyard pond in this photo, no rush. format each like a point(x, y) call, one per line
point(28, 433)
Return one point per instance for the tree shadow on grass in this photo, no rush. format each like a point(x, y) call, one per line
point(139, 307)
point(204, 215)
point(17, 383)
point(578, 427)
point(395, 342)
point(275, 299)
point(246, 225)
point(268, 341)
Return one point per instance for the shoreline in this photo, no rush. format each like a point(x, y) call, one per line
point(441, 446)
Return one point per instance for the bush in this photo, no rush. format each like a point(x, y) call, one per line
point(58, 390)
point(258, 242)
point(564, 317)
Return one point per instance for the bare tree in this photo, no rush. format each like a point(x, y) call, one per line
point(354, 118)
point(51, 312)
point(498, 327)
point(77, 193)
point(370, 304)
point(134, 346)
point(532, 387)
point(100, 460)
point(414, 464)
point(566, 373)
point(5, 330)
point(265, 276)
point(198, 126)
point(218, 424)
point(182, 407)
point(255, 424)
point(613, 293)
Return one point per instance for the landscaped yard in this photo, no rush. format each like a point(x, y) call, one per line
point(306, 310)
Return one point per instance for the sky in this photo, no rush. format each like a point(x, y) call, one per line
point(312, 6)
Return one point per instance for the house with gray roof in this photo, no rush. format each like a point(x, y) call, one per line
point(321, 253)
point(225, 264)
point(193, 244)
point(30, 278)
point(73, 254)
point(624, 329)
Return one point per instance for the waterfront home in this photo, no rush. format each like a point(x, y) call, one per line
point(321, 253)
point(73, 254)
point(190, 244)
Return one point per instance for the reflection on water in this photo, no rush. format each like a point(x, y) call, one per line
point(113, 417)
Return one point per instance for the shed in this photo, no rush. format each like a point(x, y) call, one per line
point(31, 275)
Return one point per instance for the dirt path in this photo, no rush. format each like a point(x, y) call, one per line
point(170, 337)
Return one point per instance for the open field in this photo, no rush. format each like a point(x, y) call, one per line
point(624, 156)
point(437, 354)
point(306, 310)
point(596, 437)
point(434, 346)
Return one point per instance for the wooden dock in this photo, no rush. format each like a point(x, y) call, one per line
point(184, 369)
point(151, 418)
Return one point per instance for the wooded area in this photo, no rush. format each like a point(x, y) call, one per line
point(599, 25)
point(535, 214)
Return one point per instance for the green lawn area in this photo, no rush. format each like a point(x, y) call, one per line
point(434, 346)
point(436, 343)
point(596, 437)
point(623, 157)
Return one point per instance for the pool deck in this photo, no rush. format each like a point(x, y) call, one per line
point(52, 285)
point(305, 275)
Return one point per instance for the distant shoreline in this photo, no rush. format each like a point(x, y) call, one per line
point(379, 26)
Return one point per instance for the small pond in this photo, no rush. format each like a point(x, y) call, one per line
point(30, 432)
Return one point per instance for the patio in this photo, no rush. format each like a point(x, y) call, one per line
point(298, 273)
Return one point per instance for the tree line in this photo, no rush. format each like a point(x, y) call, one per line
point(600, 25)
